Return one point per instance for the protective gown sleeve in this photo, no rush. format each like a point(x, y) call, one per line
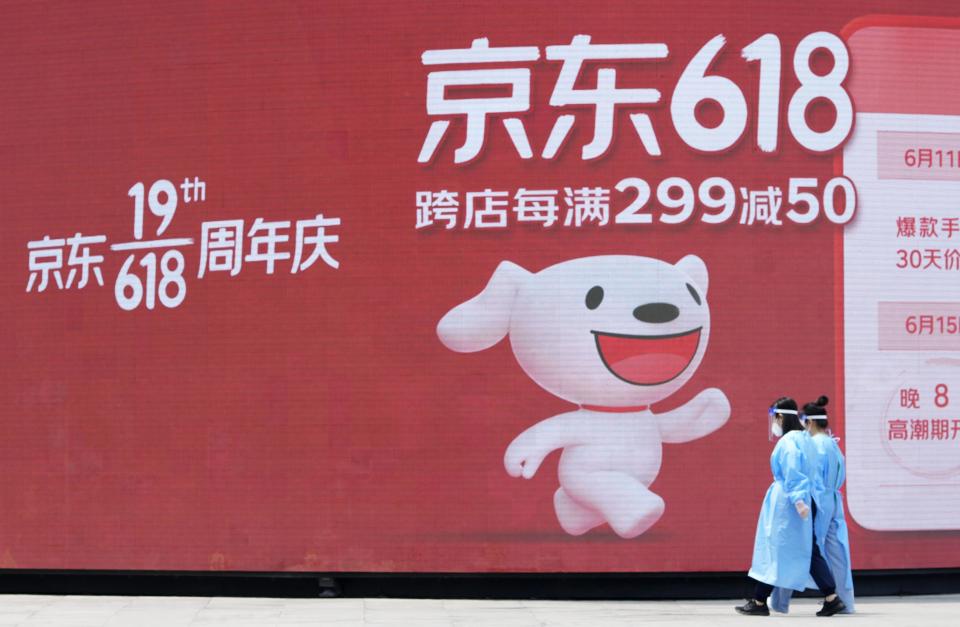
point(841, 469)
point(795, 482)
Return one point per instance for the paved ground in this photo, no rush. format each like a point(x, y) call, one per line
point(178, 611)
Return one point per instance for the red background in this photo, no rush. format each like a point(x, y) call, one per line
point(314, 421)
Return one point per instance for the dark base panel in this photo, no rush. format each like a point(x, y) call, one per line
point(631, 586)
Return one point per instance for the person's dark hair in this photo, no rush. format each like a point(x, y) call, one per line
point(791, 422)
point(817, 410)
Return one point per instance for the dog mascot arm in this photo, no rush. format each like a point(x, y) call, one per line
point(704, 414)
point(528, 450)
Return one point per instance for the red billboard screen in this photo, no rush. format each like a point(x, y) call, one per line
point(393, 287)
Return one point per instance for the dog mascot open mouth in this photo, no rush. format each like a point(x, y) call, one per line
point(647, 359)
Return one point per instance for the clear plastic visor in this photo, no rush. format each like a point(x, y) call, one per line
point(772, 418)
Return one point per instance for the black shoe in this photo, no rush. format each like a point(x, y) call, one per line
point(831, 607)
point(752, 608)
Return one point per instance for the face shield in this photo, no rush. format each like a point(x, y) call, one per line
point(772, 420)
point(805, 419)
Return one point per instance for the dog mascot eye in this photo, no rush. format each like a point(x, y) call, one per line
point(594, 297)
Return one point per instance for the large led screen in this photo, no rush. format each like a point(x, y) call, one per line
point(471, 287)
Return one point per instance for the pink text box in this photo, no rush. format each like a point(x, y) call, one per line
point(934, 326)
point(918, 156)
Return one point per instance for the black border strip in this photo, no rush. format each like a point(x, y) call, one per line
point(575, 586)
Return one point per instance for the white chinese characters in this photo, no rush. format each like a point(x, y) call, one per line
point(154, 270)
point(46, 260)
point(477, 109)
point(482, 88)
point(674, 200)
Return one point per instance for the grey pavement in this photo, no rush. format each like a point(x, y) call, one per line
point(104, 611)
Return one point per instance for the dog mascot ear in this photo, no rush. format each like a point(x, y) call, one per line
point(484, 320)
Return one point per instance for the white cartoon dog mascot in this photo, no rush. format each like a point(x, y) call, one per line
point(613, 334)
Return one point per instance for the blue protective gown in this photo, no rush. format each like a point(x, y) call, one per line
point(784, 542)
point(831, 525)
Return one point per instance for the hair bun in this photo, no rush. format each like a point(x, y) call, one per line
point(822, 401)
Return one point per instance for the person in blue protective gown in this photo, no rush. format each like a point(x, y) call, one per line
point(785, 551)
point(830, 523)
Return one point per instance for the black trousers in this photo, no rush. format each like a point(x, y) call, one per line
point(819, 570)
